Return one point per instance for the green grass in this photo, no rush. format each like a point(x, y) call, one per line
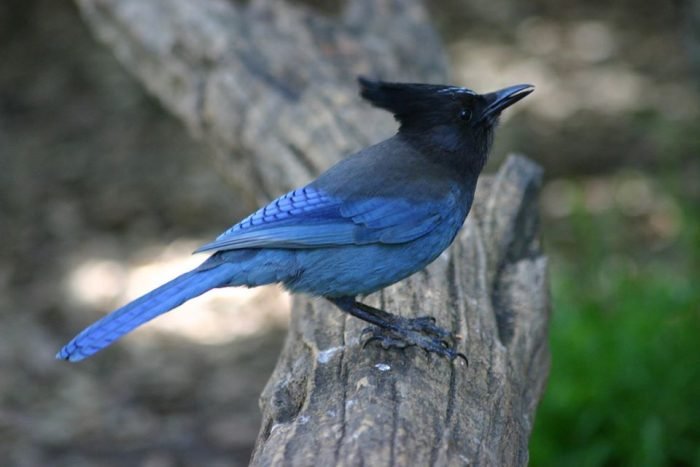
point(624, 386)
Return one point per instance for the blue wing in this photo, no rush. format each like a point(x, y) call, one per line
point(309, 217)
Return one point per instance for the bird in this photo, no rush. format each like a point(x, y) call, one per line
point(371, 220)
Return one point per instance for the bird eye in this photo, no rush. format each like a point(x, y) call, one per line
point(465, 115)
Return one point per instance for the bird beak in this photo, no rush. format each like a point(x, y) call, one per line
point(504, 98)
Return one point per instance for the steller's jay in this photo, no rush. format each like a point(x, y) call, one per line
point(371, 220)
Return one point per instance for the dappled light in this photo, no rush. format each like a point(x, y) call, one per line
point(634, 196)
point(216, 317)
point(572, 66)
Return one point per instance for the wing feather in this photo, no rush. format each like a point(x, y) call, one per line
point(309, 217)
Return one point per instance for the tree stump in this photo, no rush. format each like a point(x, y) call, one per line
point(269, 85)
point(331, 402)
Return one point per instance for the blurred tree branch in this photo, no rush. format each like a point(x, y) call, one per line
point(270, 85)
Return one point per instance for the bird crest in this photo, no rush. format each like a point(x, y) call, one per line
point(412, 101)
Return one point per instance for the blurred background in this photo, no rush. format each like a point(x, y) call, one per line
point(103, 195)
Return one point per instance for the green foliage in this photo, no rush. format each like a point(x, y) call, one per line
point(624, 387)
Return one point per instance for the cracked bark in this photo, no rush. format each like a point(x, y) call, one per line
point(270, 85)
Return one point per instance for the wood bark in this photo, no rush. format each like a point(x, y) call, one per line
point(270, 85)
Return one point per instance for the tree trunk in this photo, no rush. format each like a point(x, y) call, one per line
point(270, 85)
point(331, 402)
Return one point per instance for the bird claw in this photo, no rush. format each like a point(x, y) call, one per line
point(427, 325)
point(421, 332)
point(387, 341)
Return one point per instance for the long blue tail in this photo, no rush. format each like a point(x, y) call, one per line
point(156, 302)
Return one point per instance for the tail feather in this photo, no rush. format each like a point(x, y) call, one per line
point(161, 300)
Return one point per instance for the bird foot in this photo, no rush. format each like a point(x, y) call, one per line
point(421, 332)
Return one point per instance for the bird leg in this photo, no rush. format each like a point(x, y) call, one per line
point(396, 331)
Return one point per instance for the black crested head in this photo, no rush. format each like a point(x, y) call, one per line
point(411, 103)
point(448, 118)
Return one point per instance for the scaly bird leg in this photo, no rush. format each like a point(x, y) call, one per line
point(395, 331)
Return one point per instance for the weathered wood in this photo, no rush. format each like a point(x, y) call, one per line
point(330, 402)
point(270, 86)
